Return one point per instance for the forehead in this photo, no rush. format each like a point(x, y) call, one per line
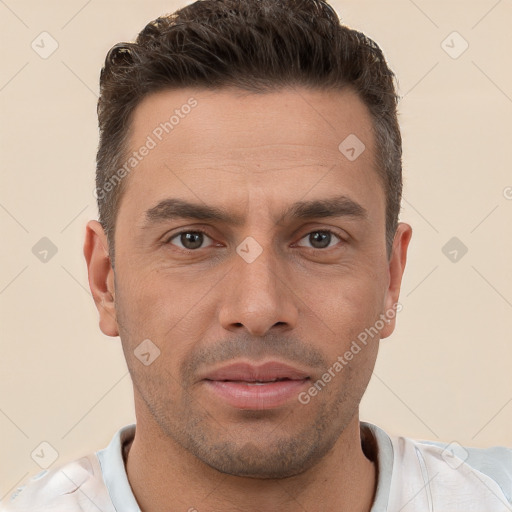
point(226, 145)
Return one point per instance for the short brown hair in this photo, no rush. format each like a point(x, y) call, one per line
point(254, 45)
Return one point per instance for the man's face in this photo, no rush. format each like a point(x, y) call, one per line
point(275, 278)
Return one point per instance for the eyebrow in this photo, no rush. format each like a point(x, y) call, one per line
point(172, 208)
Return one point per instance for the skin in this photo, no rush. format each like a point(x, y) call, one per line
point(251, 155)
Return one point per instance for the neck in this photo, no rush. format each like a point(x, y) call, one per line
point(166, 478)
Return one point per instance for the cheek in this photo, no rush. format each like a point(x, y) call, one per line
point(348, 305)
point(171, 312)
point(141, 307)
point(153, 340)
point(350, 314)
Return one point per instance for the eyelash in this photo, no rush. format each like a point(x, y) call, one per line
point(168, 240)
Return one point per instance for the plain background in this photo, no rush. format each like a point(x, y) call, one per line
point(444, 374)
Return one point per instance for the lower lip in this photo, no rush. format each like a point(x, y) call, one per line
point(264, 396)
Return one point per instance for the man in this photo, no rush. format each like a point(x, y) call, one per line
point(249, 256)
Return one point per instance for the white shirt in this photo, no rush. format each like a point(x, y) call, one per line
point(413, 476)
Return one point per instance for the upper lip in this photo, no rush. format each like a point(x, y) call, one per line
point(247, 372)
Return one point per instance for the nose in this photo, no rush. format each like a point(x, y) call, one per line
point(259, 296)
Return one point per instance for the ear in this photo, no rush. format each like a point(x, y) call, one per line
point(396, 270)
point(101, 276)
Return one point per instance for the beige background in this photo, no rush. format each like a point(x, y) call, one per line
point(443, 375)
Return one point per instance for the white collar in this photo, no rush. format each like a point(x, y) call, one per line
point(118, 486)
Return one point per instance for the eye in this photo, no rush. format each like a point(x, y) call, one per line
point(189, 240)
point(320, 239)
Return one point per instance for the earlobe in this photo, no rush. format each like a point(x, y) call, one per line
point(396, 269)
point(101, 276)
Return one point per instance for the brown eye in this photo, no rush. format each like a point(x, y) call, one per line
point(320, 239)
point(189, 240)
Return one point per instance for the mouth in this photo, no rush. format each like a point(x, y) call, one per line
point(247, 386)
point(256, 382)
